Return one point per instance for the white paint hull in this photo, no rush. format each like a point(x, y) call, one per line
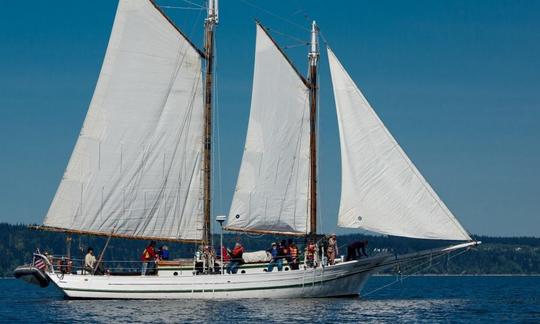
point(344, 279)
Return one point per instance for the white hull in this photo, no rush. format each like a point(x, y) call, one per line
point(343, 279)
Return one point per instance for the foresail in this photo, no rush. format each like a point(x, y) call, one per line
point(136, 167)
point(382, 191)
point(272, 189)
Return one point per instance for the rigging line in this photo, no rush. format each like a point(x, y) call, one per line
point(274, 31)
point(275, 15)
point(401, 278)
point(295, 45)
point(325, 41)
point(196, 4)
point(183, 8)
point(202, 6)
point(216, 118)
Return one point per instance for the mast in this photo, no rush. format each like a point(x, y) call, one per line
point(209, 27)
point(313, 58)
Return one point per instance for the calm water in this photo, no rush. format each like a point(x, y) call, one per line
point(417, 299)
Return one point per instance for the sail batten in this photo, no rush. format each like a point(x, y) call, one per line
point(272, 189)
point(135, 170)
point(382, 190)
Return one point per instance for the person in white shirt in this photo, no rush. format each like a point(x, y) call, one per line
point(90, 261)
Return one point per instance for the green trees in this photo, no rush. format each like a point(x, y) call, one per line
point(497, 255)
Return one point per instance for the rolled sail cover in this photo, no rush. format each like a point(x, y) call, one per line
point(136, 166)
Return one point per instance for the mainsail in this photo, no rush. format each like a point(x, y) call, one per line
point(272, 189)
point(382, 191)
point(136, 167)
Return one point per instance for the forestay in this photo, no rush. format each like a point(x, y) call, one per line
point(382, 191)
point(272, 189)
point(136, 166)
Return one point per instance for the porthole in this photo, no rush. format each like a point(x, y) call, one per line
point(243, 271)
point(175, 273)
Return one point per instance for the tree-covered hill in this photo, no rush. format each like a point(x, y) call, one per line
point(497, 255)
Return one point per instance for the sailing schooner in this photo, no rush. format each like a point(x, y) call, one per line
point(141, 167)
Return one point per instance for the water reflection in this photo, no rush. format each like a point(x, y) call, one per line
point(264, 310)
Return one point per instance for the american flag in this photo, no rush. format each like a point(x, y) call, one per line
point(40, 264)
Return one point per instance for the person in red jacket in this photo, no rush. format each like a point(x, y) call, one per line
point(236, 258)
point(148, 257)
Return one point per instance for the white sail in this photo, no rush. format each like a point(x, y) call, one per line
point(136, 166)
point(272, 190)
point(382, 191)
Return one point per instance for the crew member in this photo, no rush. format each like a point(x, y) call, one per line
point(356, 250)
point(148, 258)
point(294, 256)
point(236, 258)
point(277, 260)
point(90, 260)
point(332, 249)
point(310, 253)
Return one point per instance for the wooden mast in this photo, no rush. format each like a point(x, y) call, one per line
point(313, 92)
point(209, 27)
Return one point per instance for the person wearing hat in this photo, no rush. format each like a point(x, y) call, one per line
point(332, 249)
point(277, 260)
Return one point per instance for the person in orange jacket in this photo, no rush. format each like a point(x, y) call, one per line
point(236, 258)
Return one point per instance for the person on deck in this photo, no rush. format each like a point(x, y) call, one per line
point(277, 260)
point(209, 259)
point(286, 251)
point(163, 252)
point(332, 249)
point(356, 250)
point(236, 258)
point(294, 256)
point(225, 257)
point(90, 261)
point(311, 248)
point(148, 258)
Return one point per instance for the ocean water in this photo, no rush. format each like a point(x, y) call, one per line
point(448, 299)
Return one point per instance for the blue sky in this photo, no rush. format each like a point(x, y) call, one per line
point(456, 82)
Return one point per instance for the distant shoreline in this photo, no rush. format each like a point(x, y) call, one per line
point(461, 275)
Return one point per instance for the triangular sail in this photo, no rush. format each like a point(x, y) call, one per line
point(272, 190)
point(382, 191)
point(136, 167)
